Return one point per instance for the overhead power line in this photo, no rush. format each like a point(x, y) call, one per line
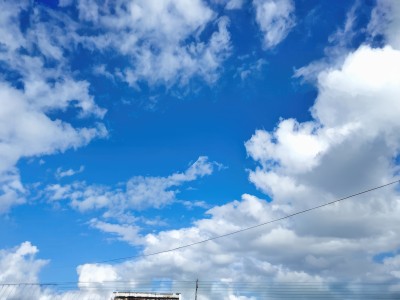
point(251, 227)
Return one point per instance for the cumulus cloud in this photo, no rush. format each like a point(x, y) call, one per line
point(27, 131)
point(36, 82)
point(19, 264)
point(264, 255)
point(275, 19)
point(356, 109)
point(19, 278)
point(349, 145)
point(226, 257)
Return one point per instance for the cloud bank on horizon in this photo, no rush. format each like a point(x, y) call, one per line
point(348, 143)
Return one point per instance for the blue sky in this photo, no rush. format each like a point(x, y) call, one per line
point(131, 127)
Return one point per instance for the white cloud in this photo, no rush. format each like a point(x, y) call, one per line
point(124, 232)
point(19, 278)
point(11, 191)
point(26, 129)
point(159, 40)
point(19, 264)
point(192, 204)
point(230, 4)
point(64, 3)
point(383, 24)
point(252, 256)
point(160, 43)
point(139, 192)
point(319, 258)
point(385, 20)
point(247, 70)
point(60, 173)
point(355, 112)
point(367, 77)
point(248, 257)
point(234, 4)
point(275, 19)
point(350, 145)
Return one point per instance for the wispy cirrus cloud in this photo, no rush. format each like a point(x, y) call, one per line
point(119, 204)
point(60, 172)
point(161, 42)
point(230, 4)
point(140, 192)
point(275, 19)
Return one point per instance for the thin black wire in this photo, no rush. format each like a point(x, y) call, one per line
point(206, 284)
point(251, 227)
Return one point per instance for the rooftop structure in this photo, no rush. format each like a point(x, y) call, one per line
point(146, 296)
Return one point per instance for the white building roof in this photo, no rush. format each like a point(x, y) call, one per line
point(145, 296)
